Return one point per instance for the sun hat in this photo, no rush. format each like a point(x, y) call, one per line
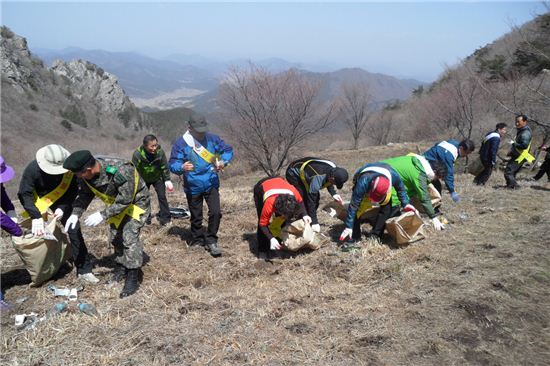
point(50, 159)
point(6, 172)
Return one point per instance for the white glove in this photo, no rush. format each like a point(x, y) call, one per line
point(37, 227)
point(410, 208)
point(437, 224)
point(274, 244)
point(346, 233)
point(338, 198)
point(307, 220)
point(511, 142)
point(94, 219)
point(169, 186)
point(13, 216)
point(71, 222)
point(316, 228)
point(58, 214)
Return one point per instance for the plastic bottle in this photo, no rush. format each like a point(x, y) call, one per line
point(58, 308)
point(88, 309)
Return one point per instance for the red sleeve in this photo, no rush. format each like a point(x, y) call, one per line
point(267, 211)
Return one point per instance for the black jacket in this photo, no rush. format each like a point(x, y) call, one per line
point(316, 174)
point(36, 180)
point(523, 139)
point(489, 148)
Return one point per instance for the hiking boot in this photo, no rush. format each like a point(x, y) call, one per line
point(164, 222)
point(88, 277)
point(195, 242)
point(118, 274)
point(214, 249)
point(131, 285)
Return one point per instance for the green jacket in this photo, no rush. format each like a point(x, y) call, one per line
point(151, 171)
point(414, 178)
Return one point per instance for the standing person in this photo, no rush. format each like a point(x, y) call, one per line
point(8, 220)
point(150, 161)
point(309, 176)
point(275, 197)
point(519, 152)
point(545, 167)
point(447, 152)
point(200, 156)
point(488, 152)
point(417, 173)
point(45, 184)
point(373, 183)
point(118, 184)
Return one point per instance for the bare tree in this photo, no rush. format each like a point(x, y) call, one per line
point(354, 107)
point(270, 114)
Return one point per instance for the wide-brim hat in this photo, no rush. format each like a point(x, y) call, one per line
point(6, 172)
point(50, 159)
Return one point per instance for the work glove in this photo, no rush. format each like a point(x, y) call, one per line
point(511, 142)
point(274, 244)
point(438, 225)
point(307, 220)
point(455, 197)
point(338, 198)
point(71, 222)
point(94, 219)
point(346, 233)
point(37, 228)
point(58, 213)
point(316, 228)
point(169, 186)
point(410, 208)
point(13, 216)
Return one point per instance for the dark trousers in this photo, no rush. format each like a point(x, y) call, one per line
point(195, 203)
point(512, 168)
point(78, 246)
point(263, 241)
point(544, 168)
point(386, 212)
point(164, 210)
point(485, 174)
point(311, 200)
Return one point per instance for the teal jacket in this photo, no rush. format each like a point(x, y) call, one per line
point(151, 170)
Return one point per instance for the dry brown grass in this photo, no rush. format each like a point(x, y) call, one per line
point(476, 293)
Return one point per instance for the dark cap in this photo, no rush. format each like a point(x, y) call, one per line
point(340, 177)
point(77, 161)
point(198, 123)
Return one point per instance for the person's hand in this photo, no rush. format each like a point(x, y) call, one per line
point(511, 142)
point(188, 166)
point(316, 228)
point(219, 165)
point(410, 208)
point(169, 186)
point(438, 225)
point(37, 228)
point(94, 219)
point(58, 214)
point(274, 244)
point(307, 220)
point(338, 198)
point(455, 197)
point(71, 222)
point(13, 216)
point(346, 233)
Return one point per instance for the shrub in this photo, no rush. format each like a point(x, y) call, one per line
point(67, 125)
point(33, 107)
point(74, 114)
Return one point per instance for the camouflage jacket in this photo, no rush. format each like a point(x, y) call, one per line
point(116, 179)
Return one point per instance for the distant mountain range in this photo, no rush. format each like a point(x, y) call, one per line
point(192, 80)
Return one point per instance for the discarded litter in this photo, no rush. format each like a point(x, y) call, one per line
point(87, 309)
point(57, 309)
point(180, 212)
point(21, 300)
point(71, 294)
point(26, 321)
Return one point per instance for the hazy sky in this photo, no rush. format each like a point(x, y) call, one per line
point(406, 39)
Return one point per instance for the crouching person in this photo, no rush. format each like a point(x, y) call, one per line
point(373, 184)
point(118, 184)
point(275, 197)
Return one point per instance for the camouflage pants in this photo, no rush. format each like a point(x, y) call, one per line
point(125, 239)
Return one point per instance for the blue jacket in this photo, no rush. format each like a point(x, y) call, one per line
point(438, 153)
point(489, 148)
point(203, 177)
point(362, 184)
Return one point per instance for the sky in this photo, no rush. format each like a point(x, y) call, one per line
point(405, 39)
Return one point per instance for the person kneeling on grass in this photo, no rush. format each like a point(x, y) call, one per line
point(276, 200)
point(373, 184)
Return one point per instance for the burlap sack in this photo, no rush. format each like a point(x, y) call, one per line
point(336, 209)
point(42, 258)
point(406, 228)
point(434, 195)
point(297, 236)
point(475, 166)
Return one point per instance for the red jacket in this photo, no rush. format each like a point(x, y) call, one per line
point(272, 188)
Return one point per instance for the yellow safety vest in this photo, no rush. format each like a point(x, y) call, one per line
point(525, 155)
point(303, 174)
point(43, 203)
point(132, 210)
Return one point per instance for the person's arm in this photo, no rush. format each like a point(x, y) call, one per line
point(523, 140)
point(450, 178)
point(83, 199)
point(6, 203)
point(331, 190)
point(124, 179)
point(164, 166)
point(359, 192)
point(397, 183)
point(65, 202)
point(421, 187)
point(177, 157)
point(493, 149)
point(265, 216)
point(8, 225)
point(225, 151)
point(26, 191)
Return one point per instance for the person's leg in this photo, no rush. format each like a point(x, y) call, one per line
point(356, 230)
point(512, 168)
point(386, 211)
point(164, 209)
point(132, 256)
point(195, 207)
point(437, 185)
point(263, 242)
point(544, 168)
point(212, 199)
point(149, 217)
point(484, 176)
point(78, 246)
